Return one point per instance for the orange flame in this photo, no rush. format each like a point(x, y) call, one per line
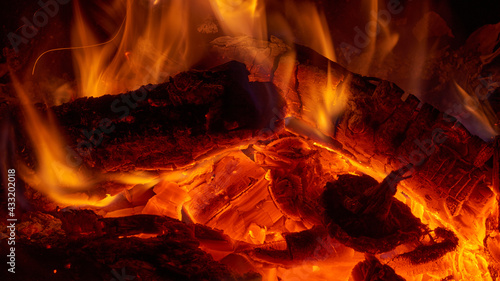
point(146, 42)
point(241, 17)
point(311, 30)
point(53, 175)
point(153, 41)
point(476, 111)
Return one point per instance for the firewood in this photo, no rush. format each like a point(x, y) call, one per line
point(372, 224)
point(308, 245)
point(170, 125)
point(372, 269)
point(381, 127)
point(77, 244)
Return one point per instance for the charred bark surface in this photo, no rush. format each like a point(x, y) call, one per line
point(79, 245)
point(170, 125)
point(381, 127)
point(372, 269)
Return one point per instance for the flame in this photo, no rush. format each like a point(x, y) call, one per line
point(56, 174)
point(53, 175)
point(334, 102)
point(311, 30)
point(374, 40)
point(149, 43)
point(250, 18)
point(241, 17)
point(141, 43)
point(324, 100)
point(482, 121)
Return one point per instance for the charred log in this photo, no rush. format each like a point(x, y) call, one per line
point(372, 270)
point(76, 245)
point(446, 241)
point(170, 125)
point(381, 127)
point(309, 245)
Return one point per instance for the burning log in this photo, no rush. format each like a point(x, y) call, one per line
point(173, 124)
point(448, 242)
point(378, 126)
point(371, 269)
point(80, 244)
point(365, 221)
point(308, 245)
point(296, 175)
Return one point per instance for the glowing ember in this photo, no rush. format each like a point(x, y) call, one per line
point(315, 172)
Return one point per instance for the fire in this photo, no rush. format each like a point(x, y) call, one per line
point(381, 40)
point(149, 42)
point(334, 102)
point(53, 175)
point(141, 43)
point(374, 40)
point(241, 17)
point(311, 30)
point(476, 112)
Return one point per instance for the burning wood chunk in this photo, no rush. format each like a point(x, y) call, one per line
point(106, 246)
point(298, 172)
point(213, 190)
point(362, 214)
point(374, 123)
point(446, 241)
point(232, 194)
point(372, 270)
point(40, 227)
point(308, 245)
point(296, 176)
point(173, 124)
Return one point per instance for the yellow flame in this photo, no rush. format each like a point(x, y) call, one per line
point(381, 40)
point(53, 175)
point(154, 42)
point(241, 17)
point(311, 29)
point(484, 120)
point(334, 102)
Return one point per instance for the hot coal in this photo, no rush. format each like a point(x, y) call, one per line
point(81, 245)
point(381, 127)
point(372, 270)
point(372, 223)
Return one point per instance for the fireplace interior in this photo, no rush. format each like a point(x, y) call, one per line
point(250, 140)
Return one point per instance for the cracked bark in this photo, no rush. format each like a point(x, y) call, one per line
point(167, 126)
point(77, 244)
point(381, 127)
